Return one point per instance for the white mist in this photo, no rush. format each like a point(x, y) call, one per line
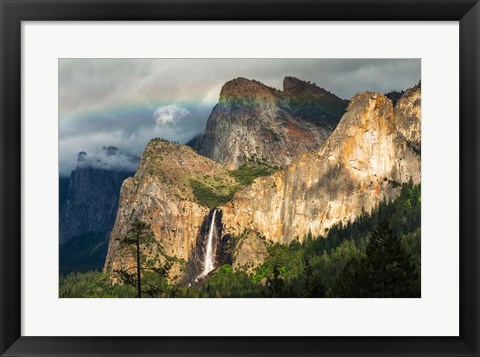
point(209, 254)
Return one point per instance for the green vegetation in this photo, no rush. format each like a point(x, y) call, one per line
point(394, 96)
point(93, 284)
point(385, 271)
point(162, 140)
point(225, 283)
point(250, 170)
point(210, 195)
point(378, 255)
point(206, 196)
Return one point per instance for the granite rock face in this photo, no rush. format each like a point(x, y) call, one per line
point(250, 252)
point(161, 195)
point(365, 159)
point(254, 122)
point(407, 114)
point(89, 201)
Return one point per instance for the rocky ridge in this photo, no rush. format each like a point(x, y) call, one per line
point(255, 122)
point(364, 160)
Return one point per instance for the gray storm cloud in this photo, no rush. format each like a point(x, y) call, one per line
point(126, 102)
point(108, 158)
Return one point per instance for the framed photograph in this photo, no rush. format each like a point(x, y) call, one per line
point(247, 178)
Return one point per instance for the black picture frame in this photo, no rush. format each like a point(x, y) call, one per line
point(13, 12)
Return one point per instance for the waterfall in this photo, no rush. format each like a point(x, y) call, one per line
point(209, 254)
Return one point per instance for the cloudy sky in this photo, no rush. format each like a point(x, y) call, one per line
point(126, 102)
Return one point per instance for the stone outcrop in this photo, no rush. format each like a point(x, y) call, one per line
point(250, 252)
point(161, 195)
point(363, 161)
point(407, 114)
point(255, 122)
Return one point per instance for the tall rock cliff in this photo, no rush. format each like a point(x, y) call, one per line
point(162, 194)
point(254, 122)
point(90, 202)
point(407, 114)
point(363, 160)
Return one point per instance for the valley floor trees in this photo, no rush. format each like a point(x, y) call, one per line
point(385, 271)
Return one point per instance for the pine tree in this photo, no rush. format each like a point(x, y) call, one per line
point(389, 270)
point(385, 272)
point(140, 236)
point(314, 287)
point(351, 281)
point(275, 284)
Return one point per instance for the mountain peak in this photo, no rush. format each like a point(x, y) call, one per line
point(246, 90)
point(253, 121)
point(295, 86)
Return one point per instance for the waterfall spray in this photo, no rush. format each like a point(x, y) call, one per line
point(209, 254)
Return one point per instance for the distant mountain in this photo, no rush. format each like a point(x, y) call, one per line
point(254, 122)
point(63, 184)
point(91, 202)
point(88, 206)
